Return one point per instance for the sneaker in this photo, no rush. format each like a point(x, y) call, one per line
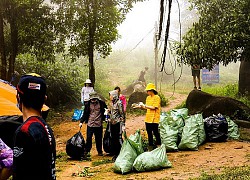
point(199, 88)
point(195, 88)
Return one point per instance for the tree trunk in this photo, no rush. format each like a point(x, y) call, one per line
point(14, 46)
point(244, 80)
point(2, 49)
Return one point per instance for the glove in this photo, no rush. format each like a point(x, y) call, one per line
point(123, 127)
point(141, 104)
point(80, 125)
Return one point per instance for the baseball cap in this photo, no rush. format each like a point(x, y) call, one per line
point(32, 84)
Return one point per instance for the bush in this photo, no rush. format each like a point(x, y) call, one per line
point(164, 101)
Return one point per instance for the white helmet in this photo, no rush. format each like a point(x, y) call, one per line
point(88, 81)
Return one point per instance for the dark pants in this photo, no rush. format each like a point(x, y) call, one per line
point(97, 131)
point(116, 138)
point(153, 128)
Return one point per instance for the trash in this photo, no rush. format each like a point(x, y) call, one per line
point(124, 162)
point(136, 138)
point(75, 146)
point(107, 139)
point(233, 130)
point(216, 128)
point(77, 114)
point(153, 160)
point(190, 134)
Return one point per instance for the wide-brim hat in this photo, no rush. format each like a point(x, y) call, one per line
point(88, 81)
point(150, 86)
point(94, 95)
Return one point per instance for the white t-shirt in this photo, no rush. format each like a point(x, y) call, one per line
point(86, 90)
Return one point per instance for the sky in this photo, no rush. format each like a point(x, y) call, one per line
point(137, 25)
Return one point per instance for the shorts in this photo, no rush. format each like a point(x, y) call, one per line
point(196, 72)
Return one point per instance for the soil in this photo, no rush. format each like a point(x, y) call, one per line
point(210, 158)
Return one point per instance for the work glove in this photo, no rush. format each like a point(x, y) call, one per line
point(80, 125)
point(123, 128)
point(141, 104)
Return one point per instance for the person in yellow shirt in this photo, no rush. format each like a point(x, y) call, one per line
point(153, 107)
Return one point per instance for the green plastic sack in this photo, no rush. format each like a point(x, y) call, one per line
point(153, 160)
point(201, 128)
point(136, 138)
point(177, 113)
point(169, 135)
point(189, 140)
point(233, 130)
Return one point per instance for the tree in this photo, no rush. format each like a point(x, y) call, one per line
point(222, 34)
point(25, 26)
point(91, 26)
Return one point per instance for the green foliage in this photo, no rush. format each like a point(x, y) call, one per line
point(164, 101)
point(83, 172)
point(242, 172)
point(219, 35)
point(64, 79)
point(100, 162)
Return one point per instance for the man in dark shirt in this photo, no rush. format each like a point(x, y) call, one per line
point(34, 142)
point(94, 116)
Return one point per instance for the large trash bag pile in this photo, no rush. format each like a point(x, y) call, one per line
point(132, 157)
point(179, 131)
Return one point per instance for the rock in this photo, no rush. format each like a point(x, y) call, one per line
point(207, 104)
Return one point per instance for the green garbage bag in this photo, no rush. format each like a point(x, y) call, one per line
point(153, 160)
point(233, 130)
point(124, 162)
point(189, 140)
point(201, 128)
point(176, 113)
point(136, 138)
point(178, 119)
point(168, 134)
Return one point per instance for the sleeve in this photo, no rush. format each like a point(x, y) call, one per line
point(157, 102)
point(82, 95)
point(85, 115)
point(122, 113)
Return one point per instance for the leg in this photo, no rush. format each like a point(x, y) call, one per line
point(115, 132)
point(5, 173)
point(98, 139)
point(150, 134)
point(90, 132)
point(194, 81)
point(156, 133)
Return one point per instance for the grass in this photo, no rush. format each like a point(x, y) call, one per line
point(100, 162)
point(242, 173)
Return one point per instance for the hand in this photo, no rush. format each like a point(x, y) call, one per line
point(80, 125)
point(123, 128)
point(141, 104)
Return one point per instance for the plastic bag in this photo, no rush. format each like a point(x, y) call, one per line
point(75, 146)
point(233, 130)
point(216, 128)
point(77, 114)
point(153, 160)
point(124, 162)
point(168, 134)
point(201, 128)
point(190, 134)
point(136, 138)
point(107, 139)
point(6, 156)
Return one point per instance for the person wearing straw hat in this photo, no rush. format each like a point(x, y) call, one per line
point(153, 107)
point(86, 90)
point(93, 116)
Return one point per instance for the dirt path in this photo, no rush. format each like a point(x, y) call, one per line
point(211, 157)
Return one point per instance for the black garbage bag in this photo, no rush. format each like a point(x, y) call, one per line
point(216, 128)
point(107, 139)
point(75, 146)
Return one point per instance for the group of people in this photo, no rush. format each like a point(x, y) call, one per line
point(94, 115)
point(34, 152)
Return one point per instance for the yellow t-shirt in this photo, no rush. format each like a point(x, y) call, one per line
point(153, 116)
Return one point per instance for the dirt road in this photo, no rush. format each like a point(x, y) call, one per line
point(210, 158)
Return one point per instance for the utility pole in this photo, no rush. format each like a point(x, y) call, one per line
point(156, 53)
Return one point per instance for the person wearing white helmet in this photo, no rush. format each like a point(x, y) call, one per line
point(86, 90)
